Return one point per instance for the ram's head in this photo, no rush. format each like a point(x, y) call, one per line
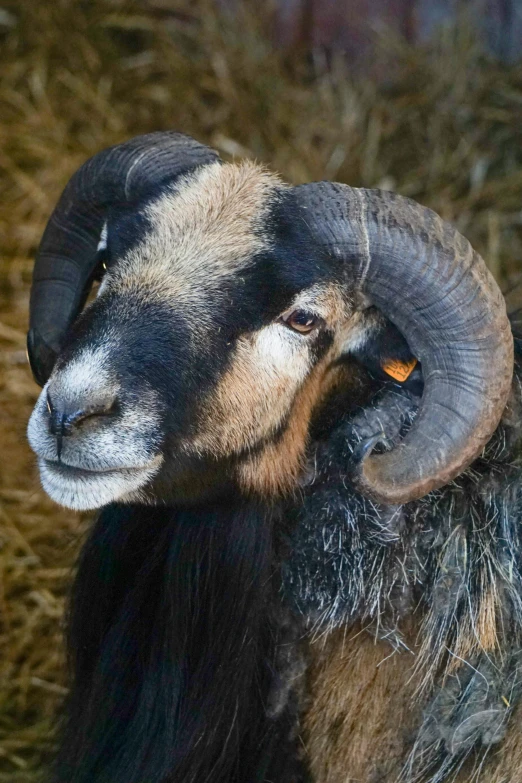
point(227, 300)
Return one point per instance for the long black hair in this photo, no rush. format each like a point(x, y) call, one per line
point(172, 650)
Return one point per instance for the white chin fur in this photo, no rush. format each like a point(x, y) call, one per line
point(91, 491)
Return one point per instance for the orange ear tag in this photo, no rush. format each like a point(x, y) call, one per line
point(398, 370)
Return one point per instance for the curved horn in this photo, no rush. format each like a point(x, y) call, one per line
point(427, 279)
point(66, 259)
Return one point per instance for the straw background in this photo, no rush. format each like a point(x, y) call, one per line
point(442, 125)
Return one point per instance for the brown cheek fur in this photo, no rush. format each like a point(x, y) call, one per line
point(276, 469)
point(247, 405)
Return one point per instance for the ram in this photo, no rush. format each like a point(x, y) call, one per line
point(295, 409)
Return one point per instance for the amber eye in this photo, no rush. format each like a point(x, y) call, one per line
point(300, 321)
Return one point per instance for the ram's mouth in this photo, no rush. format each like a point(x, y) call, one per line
point(69, 472)
point(84, 489)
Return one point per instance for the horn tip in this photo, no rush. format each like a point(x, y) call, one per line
point(41, 357)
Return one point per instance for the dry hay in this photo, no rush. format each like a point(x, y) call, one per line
point(76, 77)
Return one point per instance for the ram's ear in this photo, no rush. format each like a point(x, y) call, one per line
point(382, 349)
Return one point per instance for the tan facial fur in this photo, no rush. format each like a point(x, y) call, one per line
point(205, 230)
point(264, 402)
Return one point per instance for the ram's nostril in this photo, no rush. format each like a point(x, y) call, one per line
point(64, 419)
point(72, 420)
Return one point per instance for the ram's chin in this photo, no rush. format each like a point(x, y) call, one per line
point(87, 490)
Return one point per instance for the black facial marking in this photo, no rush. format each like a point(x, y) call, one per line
point(294, 246)
point(321, 343)
point(127, 226)
point(151, 345)
point(273, 278)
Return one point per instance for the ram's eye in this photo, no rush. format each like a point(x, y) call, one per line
point(300, 321)
point(101, 265)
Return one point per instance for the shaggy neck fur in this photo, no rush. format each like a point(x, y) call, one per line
point(173, 651)
point(451, 561)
